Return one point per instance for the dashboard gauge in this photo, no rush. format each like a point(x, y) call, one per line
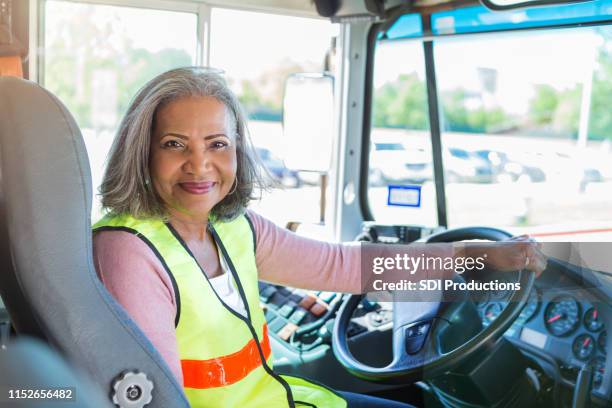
point(601, 342)
point(583, 346)
point(592, 320)
point(492, 311)
point(562, 315)
point(599, 365)
point(530, 308)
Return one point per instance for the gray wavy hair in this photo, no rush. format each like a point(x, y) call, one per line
point(126, 186)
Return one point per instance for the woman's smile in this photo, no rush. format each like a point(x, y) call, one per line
point(194, 187)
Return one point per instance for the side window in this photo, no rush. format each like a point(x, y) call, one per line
point(400, 160)
point(96, 57)
point(526, 133)
point(256, 64)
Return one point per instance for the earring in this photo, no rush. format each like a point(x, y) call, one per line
point(235, 183)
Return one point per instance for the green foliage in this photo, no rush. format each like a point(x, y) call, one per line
point(262, 97)
point(567, 116)
point(600, 123)
point(459, 118)
point(142, 66)
point(80, 52)
point(401, 104)
point(543, 105)
point(559, 111)
point(556, 112)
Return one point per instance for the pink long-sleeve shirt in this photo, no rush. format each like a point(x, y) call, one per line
point(135, 277)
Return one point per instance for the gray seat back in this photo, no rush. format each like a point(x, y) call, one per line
point(30, 365)
point(47, 279)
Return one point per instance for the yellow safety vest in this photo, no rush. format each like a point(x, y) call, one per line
point(226, 358)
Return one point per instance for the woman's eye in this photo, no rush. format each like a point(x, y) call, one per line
point(218, 144)
point(172, 144)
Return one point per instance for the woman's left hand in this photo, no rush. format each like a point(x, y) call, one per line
point(521, 252)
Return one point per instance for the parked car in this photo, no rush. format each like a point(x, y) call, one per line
point(505, 168)
point(466, 167)
point(393, 162)
point(276, 167)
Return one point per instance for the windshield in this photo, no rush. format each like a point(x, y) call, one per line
point(526, 131)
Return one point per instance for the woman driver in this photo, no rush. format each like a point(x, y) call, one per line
point(183, 256)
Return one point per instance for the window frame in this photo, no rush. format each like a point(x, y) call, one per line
point(434, 124)
point(428, 38)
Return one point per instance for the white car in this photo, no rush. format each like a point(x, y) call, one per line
point(393, 162)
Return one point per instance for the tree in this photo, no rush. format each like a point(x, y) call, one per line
point(262, 97)
point(600, 121)
point(401, 104)
point(458, 117)
point(141, 66)
point(79, 46)
point(542, 107)
point(557, 112)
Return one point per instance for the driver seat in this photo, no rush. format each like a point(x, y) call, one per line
point(48, 281)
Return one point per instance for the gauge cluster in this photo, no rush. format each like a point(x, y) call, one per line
point(561, 324)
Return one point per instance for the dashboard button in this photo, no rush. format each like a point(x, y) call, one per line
point(267, 293)
point(270, 315)
point(298, 316)
point(287, 309)
point(415, 337)
point(318, 309)
point(286, 332)
point(327, 296)
point(277, 324)
point(308, 301)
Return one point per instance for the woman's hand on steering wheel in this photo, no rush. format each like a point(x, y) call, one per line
point(516, 253)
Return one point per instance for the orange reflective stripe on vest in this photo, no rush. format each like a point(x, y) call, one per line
point(225, 370)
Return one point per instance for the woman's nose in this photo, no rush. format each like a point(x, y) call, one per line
point(197, 162)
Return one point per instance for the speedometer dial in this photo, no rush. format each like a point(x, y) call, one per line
point(562, 315)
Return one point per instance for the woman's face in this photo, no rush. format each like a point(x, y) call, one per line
point(193, 155)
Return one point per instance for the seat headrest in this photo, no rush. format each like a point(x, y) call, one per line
point(50, 285)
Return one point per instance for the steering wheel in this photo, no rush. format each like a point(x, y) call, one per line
point(429, 338)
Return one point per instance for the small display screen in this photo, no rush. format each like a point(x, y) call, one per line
point(533, 337)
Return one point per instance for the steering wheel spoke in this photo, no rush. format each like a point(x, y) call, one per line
point(414, 346)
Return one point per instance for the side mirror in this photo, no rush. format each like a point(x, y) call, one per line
point(308, 120)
